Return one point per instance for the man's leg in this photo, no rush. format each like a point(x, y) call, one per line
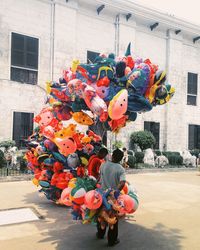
point(112, 235)
point(100, 230)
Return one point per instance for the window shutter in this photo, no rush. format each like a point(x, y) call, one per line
point(16, 127)
point(91, 56)
point(154, 128)
point(24, 58)
point(191, 136)
point(22, 127)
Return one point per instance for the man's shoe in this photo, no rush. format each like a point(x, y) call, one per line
point(99, 237)
point(115, 243)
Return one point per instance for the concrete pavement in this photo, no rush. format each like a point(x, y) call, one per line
point(168, 217)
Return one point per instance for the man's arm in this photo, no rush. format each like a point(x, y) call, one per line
point(121, 185)
point(122, 179)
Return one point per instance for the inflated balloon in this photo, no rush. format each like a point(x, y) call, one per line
point(125, 189)
point(84, 161)
point(44, 184)
point(93, 199)
point(73, 160)
point(118, 106)
point(72, 183)
point(42, 157)
point(66, 146)
point(82, 118)
point(63, 180)
point(102, 91)
point(35, 182)
point(68, 131)
point(62, 113)
point(163, 94)
point(77, 195)
point(95, 103)
point(126, 203)
point(57, 167)
point(46, 118)
point(50, 145)
point(64, 199)
point(135, 200)
point(88, 149)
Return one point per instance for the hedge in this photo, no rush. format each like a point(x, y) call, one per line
point(139, 157)
point(174, 158)
point(195, 152)
point(131, 161)
point(2, 159)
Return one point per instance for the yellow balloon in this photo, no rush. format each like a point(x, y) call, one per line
point(48, 87)
point(84, 161)
point(75, 64)
point(35, 182)
point(72, 183)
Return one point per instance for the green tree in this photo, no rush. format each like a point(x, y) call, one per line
point(144, 139)
point(7, 144)
point(2, 159)
point(117, 144)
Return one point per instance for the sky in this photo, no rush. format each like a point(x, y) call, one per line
point(185, 9)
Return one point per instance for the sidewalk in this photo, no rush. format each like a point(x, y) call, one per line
point(168, 217)
point(26, 177)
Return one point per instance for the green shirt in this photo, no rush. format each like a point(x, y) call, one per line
point(111, 174)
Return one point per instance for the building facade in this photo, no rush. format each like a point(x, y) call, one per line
point(38, 38)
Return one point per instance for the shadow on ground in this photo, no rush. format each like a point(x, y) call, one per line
point(66, 234)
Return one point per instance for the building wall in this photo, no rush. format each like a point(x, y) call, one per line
point(31, 18)
point(76, 28)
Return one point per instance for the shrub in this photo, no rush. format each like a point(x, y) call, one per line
point(144, 139)
point(174, 158)
point(131, 161)
point(7, 144)
point(2, 159)
point(157, 152)
point(139, 157)
point(22, 163)
point(117, 144)
point(130, 152)
point(195, 152)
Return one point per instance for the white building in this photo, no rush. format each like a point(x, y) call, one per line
point(38, 38)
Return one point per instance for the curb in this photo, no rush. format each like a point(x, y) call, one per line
point(157, 170)
point(16, 178)
point(128, 171)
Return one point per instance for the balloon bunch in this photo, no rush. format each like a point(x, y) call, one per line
point(113, 89)
point(110, 90)
point(90, 203)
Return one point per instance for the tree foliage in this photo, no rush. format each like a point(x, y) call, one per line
point(117, 144)
point(2, 159)
point(144, 139)
point(7, 144)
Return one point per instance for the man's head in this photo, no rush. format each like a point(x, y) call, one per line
point(117, 155)
point(124, 149)
point(102, 153)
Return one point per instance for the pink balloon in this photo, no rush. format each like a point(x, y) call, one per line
point(118, 105)
point(93, 200)
point(66, 146)
point(126, 203)
point(65, 197)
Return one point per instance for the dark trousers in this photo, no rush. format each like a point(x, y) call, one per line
point(112, 233)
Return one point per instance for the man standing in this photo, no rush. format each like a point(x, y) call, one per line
point(95, 162)
point(112, 175)
point(125, 158)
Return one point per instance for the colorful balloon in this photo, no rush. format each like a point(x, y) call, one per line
point(64, 199)
point(118, 106)
point(77, 195)
point(93, 200)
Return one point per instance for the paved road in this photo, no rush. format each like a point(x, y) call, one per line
point(168, 217)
